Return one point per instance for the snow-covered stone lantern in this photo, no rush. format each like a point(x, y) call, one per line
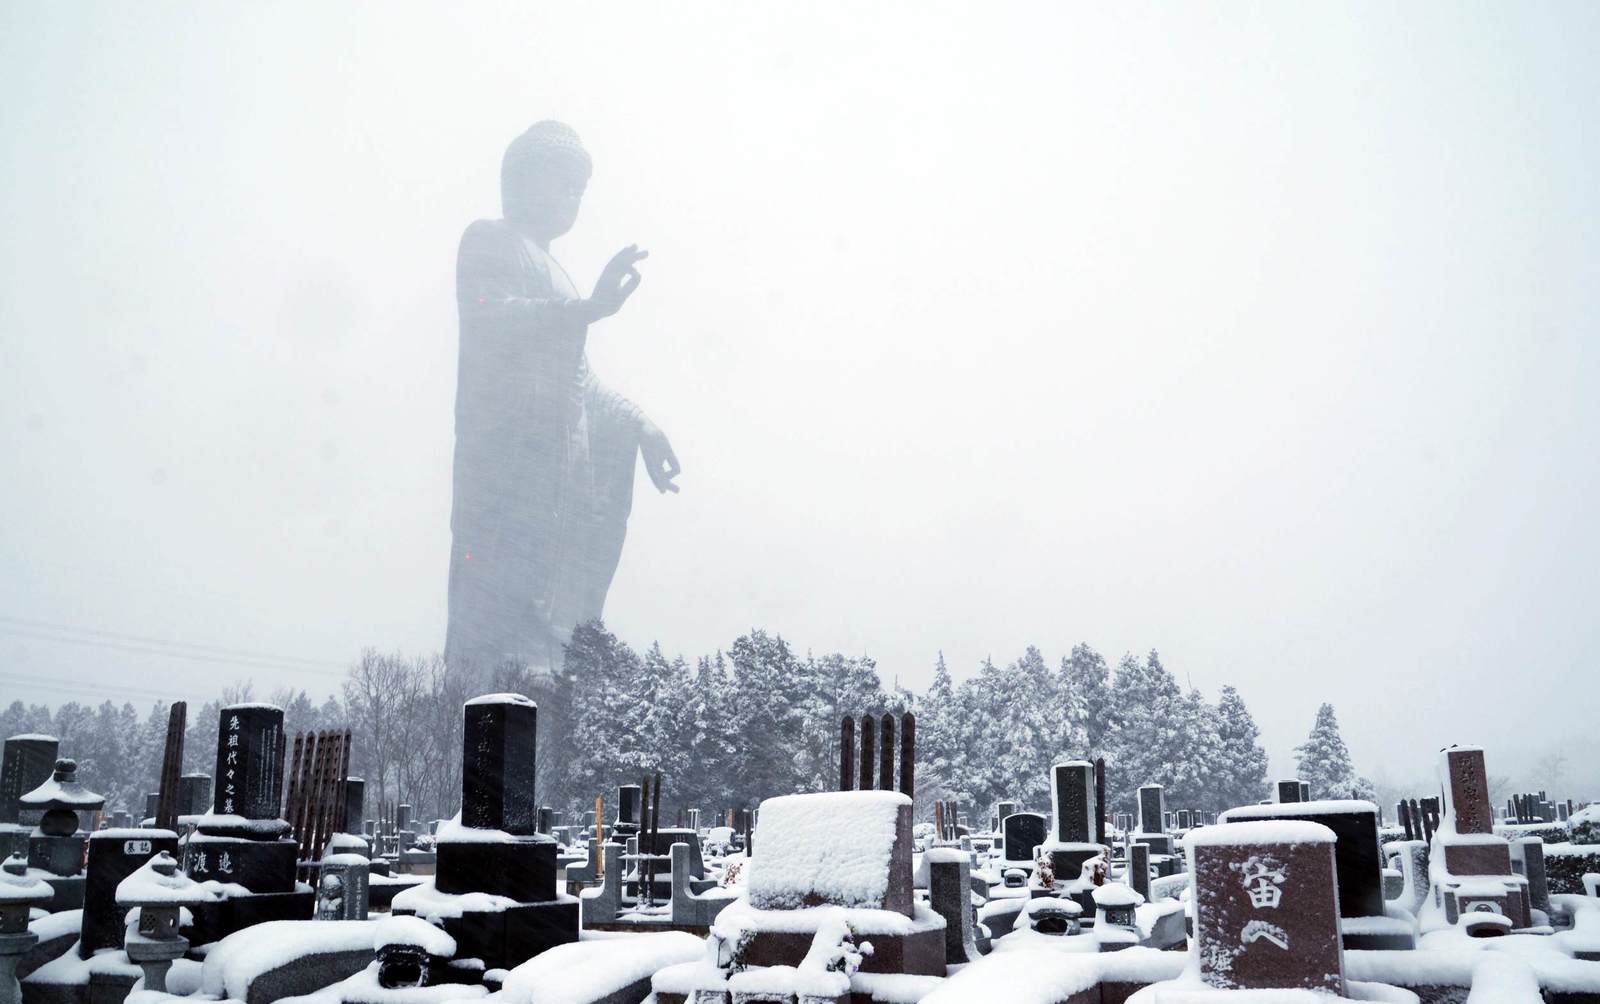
point(19, 894)
point(1115, 925)
point(1053, 916)
point(55, 846)
point(160, 893)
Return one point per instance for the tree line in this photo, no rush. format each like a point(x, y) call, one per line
point(730, 728)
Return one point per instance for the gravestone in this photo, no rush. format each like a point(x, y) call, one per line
point(1072, 801)
point(1289, 791)
point(950, 896)
point(25, 764)
point(1023, 833)
point(1266, 910)
point(1477, 862)
point(630, 810)
point(1153, 819)
point(497, 849)
point(1529, 851)
point(114, 854)
point(355, 790)
point(243, 839)
point(1139, 869)
point(1355, 825)
point(194, 794)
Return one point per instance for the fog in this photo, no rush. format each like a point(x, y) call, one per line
point(1263, 335)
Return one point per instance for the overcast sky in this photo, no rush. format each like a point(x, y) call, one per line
point(1264, 335)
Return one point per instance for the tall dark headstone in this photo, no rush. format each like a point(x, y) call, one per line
point(847, 753)
point(499, 740)
point(869, 750)
point(194, 794)
point(1139, 869)
point(1289, 791)
point(355, 790)
point(886, 754)
point(1152, 809)
point(26, 764)
point(1100, 801)
point(249, 779)
point(908, 755)
point(630, 810)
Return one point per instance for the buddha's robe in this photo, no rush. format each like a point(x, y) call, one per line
point(544, 459)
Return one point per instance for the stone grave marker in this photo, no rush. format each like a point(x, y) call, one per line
point(1266, 912)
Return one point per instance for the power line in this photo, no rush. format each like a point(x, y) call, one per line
point(140, 645)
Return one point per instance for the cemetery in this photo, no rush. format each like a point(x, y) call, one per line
point(267, 881)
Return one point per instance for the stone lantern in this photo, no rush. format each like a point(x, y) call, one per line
point(1052, 916)
point(160, 893)
point(19, 894)
point(1115, 925)
point(55, 846)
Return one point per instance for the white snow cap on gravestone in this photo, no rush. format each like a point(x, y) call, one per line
point(502, 699)
point(831, 848)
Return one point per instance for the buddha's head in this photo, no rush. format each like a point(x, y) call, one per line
point(542, 179)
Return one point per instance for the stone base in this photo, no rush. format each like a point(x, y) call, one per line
point(1159, 843)
point(1067, 862)
point(69, 892)
point(506, 939)
point(215, 921)
point(57, 855)
point(262, 866)
point(523, 869)
point(920, 953)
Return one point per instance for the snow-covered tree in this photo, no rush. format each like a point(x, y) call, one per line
point(1086, 687)
point(1240, 776)
point(1324, 761)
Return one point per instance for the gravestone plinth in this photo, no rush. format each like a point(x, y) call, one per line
point(114, 854)
point(1022, 833)
point(1266, 906)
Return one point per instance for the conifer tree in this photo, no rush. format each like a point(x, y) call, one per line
point(1241, 775)
point(1086, 691)
point(1324, 760)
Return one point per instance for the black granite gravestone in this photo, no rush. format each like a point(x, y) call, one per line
point(355, 791)
point(499, 740)
point(26, 763)
point(1023, 832)
point(1356, 850)
point(194, 794)
point(114, 855)
point(1289, 791)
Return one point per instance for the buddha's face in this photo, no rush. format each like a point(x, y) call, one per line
point(545, 199)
